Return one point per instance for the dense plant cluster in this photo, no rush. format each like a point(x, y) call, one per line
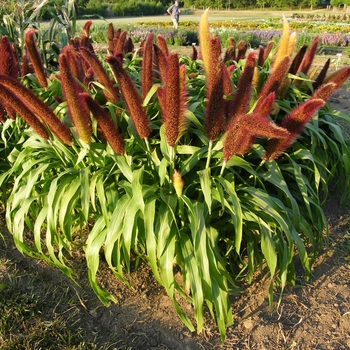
point(207, 167)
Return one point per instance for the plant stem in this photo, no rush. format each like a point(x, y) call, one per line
point(210, 148)
point(222, 168)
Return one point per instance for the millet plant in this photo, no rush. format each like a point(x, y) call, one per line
point(212, 166)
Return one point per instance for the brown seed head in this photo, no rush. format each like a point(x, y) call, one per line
point(132, 98)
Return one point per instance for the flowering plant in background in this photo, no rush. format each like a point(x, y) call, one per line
point(214, 164)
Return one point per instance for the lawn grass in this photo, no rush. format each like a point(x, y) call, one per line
point(214, 16)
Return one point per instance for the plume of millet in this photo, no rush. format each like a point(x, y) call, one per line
point(204, 40)
point(275, 80)
point(324, 91)
point(242, 48)
point(161, 43)
point(268, 49)
point(26, 68)
point(227, 90)
point(230, 53)
point(337, 79)
point(85, 36)
point(74, 62)
point(128, 46)
point(37, 106)
point(109, 130)
point(294, 123)
point(214, 114)
point(35, 58)
point(116, 37)
point(77, 107)
point(132, 98)
point(178, 183)
point(245, 128)
point(293, 69)
point(256, 79)
point(308, 57)
point(17, 104)
point(171, 99)
point(261, 56)
point(119, 44)
point(242, 96)
point(322, 75)
point(110, 36)
point(194, 55)
point(147, 65)
point(283, 46)
point(161, 61)
point(111, 93)
point(9, 64)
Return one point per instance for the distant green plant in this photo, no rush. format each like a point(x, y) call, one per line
point(214, 167)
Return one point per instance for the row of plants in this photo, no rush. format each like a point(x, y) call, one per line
point(217, 166)
point(268, 24)
point(323, 17)
point(255, 38)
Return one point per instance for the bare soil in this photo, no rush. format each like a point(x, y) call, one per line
point(313, 316)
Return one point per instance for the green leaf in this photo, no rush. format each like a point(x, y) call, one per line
point(205, 181)
point(94, 243)
point(234, 207)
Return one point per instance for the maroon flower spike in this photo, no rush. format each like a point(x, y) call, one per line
point(333, 82)
point(15, 102)
point(227, 90)
point(194, 53)
point(241, 50)
point(85, 36)
point(275, 81)
point(297, 60)
point(35, 58)
point(321, 76)
point(251, 126)
point(173, 100)
point(128, 46)
point(8, 59)
point(77, 107)
point(110, 35)
point(117, 34)
point(214, 115)
point(41, 109)
point(2, 115)
point(109, 130)
point(242, 97)
point(247, 127)
point(324, 91)
point(26, 68)
point(161, 43)
point(309, 57)
point(75, 62)
point(294, 123)
point(261, 56)
point(110, 92)
point(132, 98)
point(339, 77)
point(147, 62)
point(8, 66)
point(162, 62)
point(119, 44)
point(268, 50)
point(230, 53)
